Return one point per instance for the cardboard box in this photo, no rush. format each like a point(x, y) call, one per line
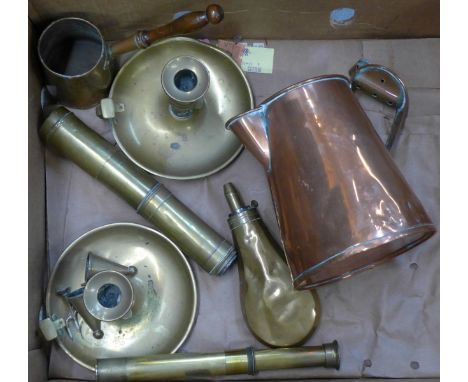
point(304, 23)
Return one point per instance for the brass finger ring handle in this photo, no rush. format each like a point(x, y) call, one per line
point(187, 23)
point(385, 86)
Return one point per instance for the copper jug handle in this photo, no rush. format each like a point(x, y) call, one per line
point(187, 23)
point(385, 86)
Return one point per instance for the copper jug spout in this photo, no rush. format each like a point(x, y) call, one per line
point(251, 129)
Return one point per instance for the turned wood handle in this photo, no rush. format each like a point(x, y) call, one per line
point(184, 24)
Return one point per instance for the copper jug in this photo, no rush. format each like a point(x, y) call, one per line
point(341, 202)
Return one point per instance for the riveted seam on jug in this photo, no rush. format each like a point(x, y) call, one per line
point(359, 70)
point(369, 67)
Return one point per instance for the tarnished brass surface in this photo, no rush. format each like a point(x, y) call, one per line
point(276, 313)
point(342, 203)
point(185, 80)
point(96, 264)
point(194, 365)
point(125, 300)
point(64, 132)
point(151, 135)
point(77, 62)
point(165, 294)
point(76, 300)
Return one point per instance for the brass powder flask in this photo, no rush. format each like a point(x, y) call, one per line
point(64, 132)
point(276, 313)
point(192, 365)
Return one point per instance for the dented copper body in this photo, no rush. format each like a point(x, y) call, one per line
point(341, 202)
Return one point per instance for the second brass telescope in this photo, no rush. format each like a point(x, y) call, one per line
point(191, 365)
point(63, 131)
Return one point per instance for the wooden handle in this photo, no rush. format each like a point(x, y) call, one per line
point(185, 24)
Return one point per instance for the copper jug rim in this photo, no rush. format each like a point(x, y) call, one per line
point(423, 232)
point(54, 24)
point(281, 93)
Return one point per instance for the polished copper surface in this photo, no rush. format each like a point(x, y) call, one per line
point(342, 204)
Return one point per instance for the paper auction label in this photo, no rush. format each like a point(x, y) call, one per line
point(257, 59)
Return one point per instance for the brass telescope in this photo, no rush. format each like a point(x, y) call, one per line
point(63, 131)
point(190, 365)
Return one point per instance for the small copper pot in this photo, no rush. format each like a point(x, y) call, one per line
point(341, 202)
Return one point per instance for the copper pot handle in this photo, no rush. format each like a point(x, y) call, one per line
point(385, 86)
point(187, 23)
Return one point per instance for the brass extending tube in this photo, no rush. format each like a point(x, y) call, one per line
point(189, 365)
point(63, 131)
